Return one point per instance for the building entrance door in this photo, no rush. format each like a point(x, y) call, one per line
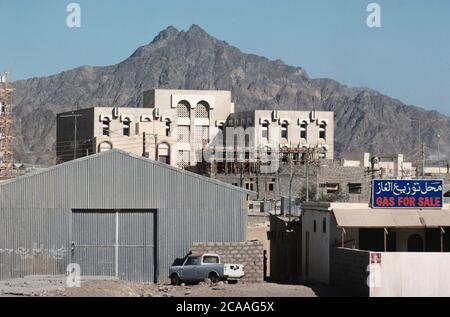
point(116, 243)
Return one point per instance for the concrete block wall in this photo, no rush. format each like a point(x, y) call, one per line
point(348, 270)
point(250, 254)
point(329, 172)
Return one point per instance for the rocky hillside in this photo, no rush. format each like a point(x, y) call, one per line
point(365, 119)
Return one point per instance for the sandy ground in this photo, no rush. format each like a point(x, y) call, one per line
point(55, 286)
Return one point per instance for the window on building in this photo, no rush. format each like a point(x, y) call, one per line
point(304, 130)
point(323, 153)
point(247, 140)
point(324, 225)
point(250, 186)
point(330, 188)
point(183, 109)
point(106, 126)
point(354, 188)
point(126, 126)
point(323, 130)
point(271, 187)
point(202, 135)
point(315, 226)
point(164, 153)
point(183, 159)
point(284, 130)
point(168, 124)
point(265, 130)
point(184, 134)
point(202, 110)
point(105, 146)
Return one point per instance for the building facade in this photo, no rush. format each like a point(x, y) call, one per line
point(113, 214)
point(170, 127)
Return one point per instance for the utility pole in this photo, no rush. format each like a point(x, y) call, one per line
point(423, 160)
point(75, 128)
point(144, 141)
point(439, 152)
point(307, 173)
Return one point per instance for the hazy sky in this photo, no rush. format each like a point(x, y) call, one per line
point(407, 58)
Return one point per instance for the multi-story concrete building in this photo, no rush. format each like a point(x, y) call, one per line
point(288, 129)
point(169, 127)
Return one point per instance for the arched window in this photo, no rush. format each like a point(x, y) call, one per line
point(323, 130)
point(106, 126)
point(126, 126)
point(265, 130)
point(202, 110)
point(105, 146)
point(183, 109)
point(167, 126)
point(304, 130)
point(284, 130)
point(164, 153)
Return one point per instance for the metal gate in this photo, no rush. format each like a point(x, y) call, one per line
point(119, 243)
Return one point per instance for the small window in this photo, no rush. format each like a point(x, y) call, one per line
point(315, 226)
point(106, 126)
point(284, 130)
point(271, 187)
point(265, 130)
point(211, 259)
point(167, 127)
point(323, 130)
point(304, 130)
point(324, 225)
point(126, 127)
point(193, 260)
point(354, 188)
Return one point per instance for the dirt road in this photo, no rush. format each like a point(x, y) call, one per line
point(49, 286)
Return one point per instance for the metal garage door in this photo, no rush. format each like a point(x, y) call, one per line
point(115, 243)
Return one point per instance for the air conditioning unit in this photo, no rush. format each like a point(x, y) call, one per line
point(115, 112)
point(275, 115)
point(157, 113)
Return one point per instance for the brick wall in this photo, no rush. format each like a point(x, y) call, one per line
point(348, 270)
point(250, 254)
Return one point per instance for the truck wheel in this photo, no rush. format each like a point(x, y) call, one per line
point(213, 277)
point(175, 279)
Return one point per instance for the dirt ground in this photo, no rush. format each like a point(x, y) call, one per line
point(55, 286)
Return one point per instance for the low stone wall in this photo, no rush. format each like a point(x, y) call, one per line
point(250, 254)
point(348, 270)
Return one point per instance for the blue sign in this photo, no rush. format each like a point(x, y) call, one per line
point(423, 194)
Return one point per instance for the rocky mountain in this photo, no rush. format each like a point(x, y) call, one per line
point(366, 120)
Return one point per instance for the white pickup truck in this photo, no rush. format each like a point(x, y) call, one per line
point(198, 267)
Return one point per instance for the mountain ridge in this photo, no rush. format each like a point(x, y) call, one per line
point(365, 119)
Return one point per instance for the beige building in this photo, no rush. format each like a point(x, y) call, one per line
point(288, 129)
point(170, 127)
point(387, 166)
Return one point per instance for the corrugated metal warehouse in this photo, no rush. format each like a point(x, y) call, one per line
point(114, 214)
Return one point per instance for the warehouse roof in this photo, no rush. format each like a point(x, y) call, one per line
point(123, 153)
